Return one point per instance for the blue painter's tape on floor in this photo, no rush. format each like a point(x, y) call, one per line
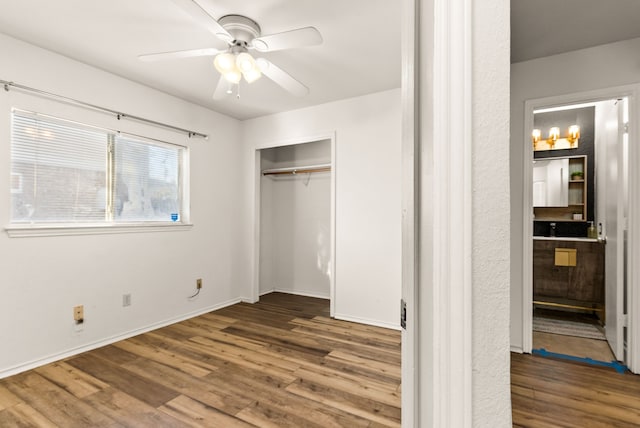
point(617, 366)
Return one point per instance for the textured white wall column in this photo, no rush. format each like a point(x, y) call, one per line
point(491, 214)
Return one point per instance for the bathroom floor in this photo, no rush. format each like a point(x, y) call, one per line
point(583, 347)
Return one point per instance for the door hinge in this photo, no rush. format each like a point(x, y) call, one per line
point(403, 314)
point(625, 320)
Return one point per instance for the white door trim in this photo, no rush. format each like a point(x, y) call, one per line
point(633, 292)
point(255, 286)
point(437, 221)
point(410, 363)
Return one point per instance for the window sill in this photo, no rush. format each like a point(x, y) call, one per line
point(23, 231)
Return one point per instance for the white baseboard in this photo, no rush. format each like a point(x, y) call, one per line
point(366, 321)
point(517, 349)
point(88, 347)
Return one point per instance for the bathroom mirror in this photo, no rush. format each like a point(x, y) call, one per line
point(551, 182)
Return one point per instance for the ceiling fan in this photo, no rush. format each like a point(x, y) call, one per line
point(243, 34)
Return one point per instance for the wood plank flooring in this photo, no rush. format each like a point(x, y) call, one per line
point(552, 393)
point(282, 363)
point(279, 363)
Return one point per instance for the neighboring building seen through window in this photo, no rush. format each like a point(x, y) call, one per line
point(64, 172)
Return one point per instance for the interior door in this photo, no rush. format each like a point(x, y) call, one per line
point(613, 231)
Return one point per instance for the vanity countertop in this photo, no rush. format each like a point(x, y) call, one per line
point(565, 238)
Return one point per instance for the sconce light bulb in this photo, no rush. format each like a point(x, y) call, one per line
point(535, 135)
point(554, 133)
point(574, 132)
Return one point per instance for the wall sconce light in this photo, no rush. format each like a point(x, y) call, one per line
point(554, 134)
point(574, 134)
point(553, 141)
point(535, 136)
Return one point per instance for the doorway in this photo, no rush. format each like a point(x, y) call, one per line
point(577, 284)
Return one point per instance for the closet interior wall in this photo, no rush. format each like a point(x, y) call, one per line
point(295, 221)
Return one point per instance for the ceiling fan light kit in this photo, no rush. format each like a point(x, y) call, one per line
point(233, 66)
point(242, 34)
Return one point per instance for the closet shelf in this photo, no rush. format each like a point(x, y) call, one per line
point(298, 169)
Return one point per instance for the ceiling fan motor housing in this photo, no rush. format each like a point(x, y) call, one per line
point(242, 29)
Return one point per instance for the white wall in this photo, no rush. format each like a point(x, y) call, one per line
point(295, 222)
point(490, 228)
point(42, 278)
point(600, 67)
point(368, 192)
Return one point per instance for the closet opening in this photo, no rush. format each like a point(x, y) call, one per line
point(295, 220)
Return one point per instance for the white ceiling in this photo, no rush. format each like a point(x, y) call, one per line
point(541, 28)
point(360, 53)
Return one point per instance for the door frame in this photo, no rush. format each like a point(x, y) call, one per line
point(633, 219)
point(437, 213)
point(257, 175)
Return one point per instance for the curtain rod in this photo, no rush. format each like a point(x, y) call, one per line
point(119, 115)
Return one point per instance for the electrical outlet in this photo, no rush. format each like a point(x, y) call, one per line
point(199, 283)
point(78, 314)
point(126, 299)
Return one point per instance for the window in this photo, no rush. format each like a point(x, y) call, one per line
point(67, 173)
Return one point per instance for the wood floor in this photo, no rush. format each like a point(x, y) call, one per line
point(552, 393)
point(279, 363)
point(282, 363)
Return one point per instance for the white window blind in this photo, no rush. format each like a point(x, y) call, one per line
point(64, 172)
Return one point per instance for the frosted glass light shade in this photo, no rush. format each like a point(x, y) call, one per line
point(233, 76)
point(252, 75)
point(225, 62)
point(245, 62)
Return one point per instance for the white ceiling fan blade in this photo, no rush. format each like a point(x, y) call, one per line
point(282, 78)
point(202, 17)
point(222, 89)
point(307, 36)
point(179, 54)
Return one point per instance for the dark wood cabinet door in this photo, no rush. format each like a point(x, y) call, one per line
point(581, 283)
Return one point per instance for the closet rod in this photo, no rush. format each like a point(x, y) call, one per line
point(298, 170)
point(118, 114)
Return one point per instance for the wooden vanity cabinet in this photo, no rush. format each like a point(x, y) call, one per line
point(581, 285)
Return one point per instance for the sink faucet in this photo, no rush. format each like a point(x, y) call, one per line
point(552, 229)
